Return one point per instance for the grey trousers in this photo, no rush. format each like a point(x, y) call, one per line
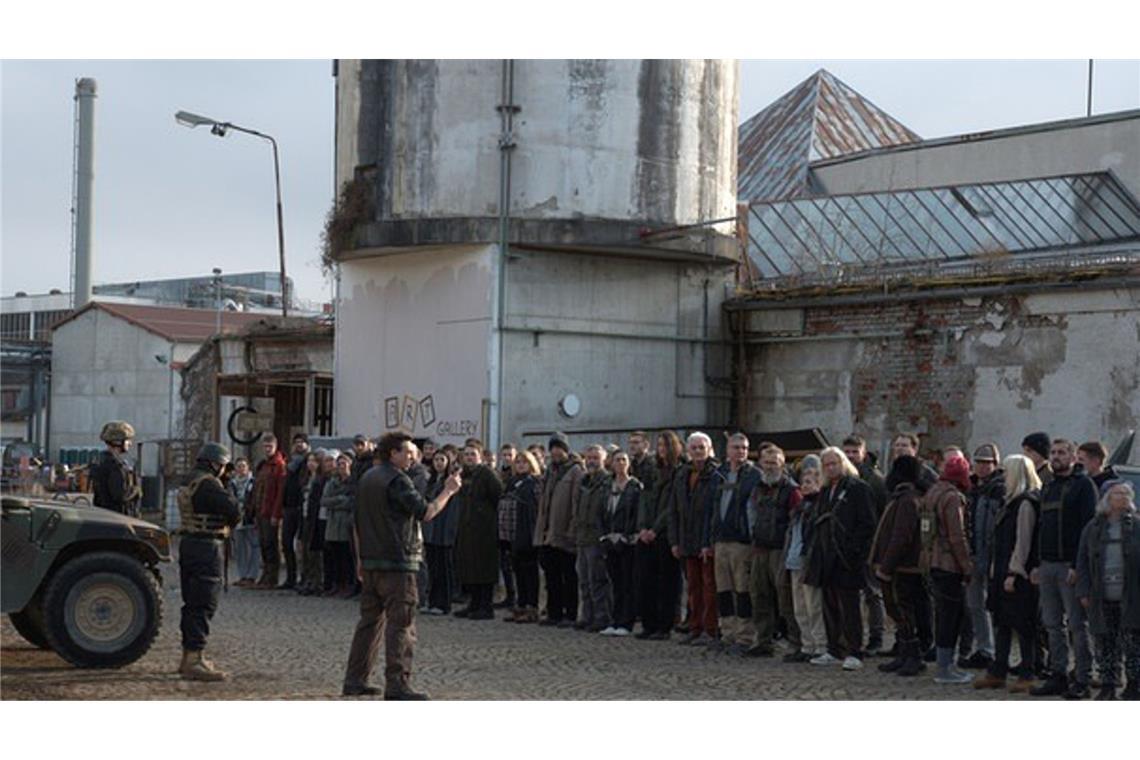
point(1058, 604)
point(982, 627)
point(876, 610)
point(595, 592)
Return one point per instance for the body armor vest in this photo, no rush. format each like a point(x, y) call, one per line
point(194, 523)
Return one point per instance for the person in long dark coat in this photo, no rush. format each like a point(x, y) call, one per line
point(477, 542)
point(844, 527)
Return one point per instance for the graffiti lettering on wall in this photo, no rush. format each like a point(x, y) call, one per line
point(457, 428)
point(413, 415)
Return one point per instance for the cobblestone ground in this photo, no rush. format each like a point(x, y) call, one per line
point(277, 645)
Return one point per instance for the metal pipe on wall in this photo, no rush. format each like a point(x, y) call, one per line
point(507, 110)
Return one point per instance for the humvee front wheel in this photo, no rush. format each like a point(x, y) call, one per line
point(102, 610)
point(29, 623)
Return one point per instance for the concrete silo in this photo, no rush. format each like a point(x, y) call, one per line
point(536, 233)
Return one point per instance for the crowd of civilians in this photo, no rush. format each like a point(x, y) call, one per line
point(961, 553)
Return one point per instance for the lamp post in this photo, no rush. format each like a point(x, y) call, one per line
point(219, 128)
point(168, 362)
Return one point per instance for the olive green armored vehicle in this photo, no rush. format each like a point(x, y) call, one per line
point(82, 581)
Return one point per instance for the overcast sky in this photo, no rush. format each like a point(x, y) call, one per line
point(171, 202)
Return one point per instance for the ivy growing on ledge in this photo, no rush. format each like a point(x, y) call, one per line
point(352, 209)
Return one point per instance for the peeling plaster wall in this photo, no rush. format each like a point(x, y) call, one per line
point(652, 142)
point(414, 329)
point(959, 371)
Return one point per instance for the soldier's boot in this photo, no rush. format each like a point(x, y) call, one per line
point(195, 667)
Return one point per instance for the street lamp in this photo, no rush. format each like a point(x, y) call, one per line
point(219, 128)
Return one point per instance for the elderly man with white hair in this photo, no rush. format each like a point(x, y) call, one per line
point(694, 490)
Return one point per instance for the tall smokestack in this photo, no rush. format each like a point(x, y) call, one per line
point(84, 188)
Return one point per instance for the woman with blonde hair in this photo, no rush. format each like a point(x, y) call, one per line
point(1012, 599)
point(843, 528)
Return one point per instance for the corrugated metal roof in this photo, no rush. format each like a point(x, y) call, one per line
point(819, 118)
point(832, 236)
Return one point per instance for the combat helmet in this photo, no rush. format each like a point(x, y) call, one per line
point(117, 431)
point(215, 453)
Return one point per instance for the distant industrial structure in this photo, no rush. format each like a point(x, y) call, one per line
point(26, 322)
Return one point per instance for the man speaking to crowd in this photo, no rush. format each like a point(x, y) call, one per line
point(390, 548)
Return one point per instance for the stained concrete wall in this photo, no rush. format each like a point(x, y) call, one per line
point(1025, 153)
point(645, 142)
point(959, 371)
point(104, 368)
point(412, 329)
point(633, 340)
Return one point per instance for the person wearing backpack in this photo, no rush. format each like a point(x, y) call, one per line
point(1011, 598)
point(844, 528)
point(945, 553)
point(895, 560)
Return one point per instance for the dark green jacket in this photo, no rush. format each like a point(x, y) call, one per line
point(687, 522)
point(595, 492)
point(657, 502)
point(388, 514)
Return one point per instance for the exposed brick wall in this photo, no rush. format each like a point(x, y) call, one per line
point(915, 380)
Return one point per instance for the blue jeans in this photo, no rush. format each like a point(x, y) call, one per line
point(247, 552)
point(1058, 603)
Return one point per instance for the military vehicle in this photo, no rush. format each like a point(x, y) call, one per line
point(82, 581)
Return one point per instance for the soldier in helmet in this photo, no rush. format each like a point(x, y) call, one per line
point(115, 483)
point(207, 511)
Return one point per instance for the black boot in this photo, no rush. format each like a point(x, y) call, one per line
point(912, 664)
point(899, 660)
point(1055, 686)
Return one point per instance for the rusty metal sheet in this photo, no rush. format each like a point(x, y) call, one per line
point(819, 118)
